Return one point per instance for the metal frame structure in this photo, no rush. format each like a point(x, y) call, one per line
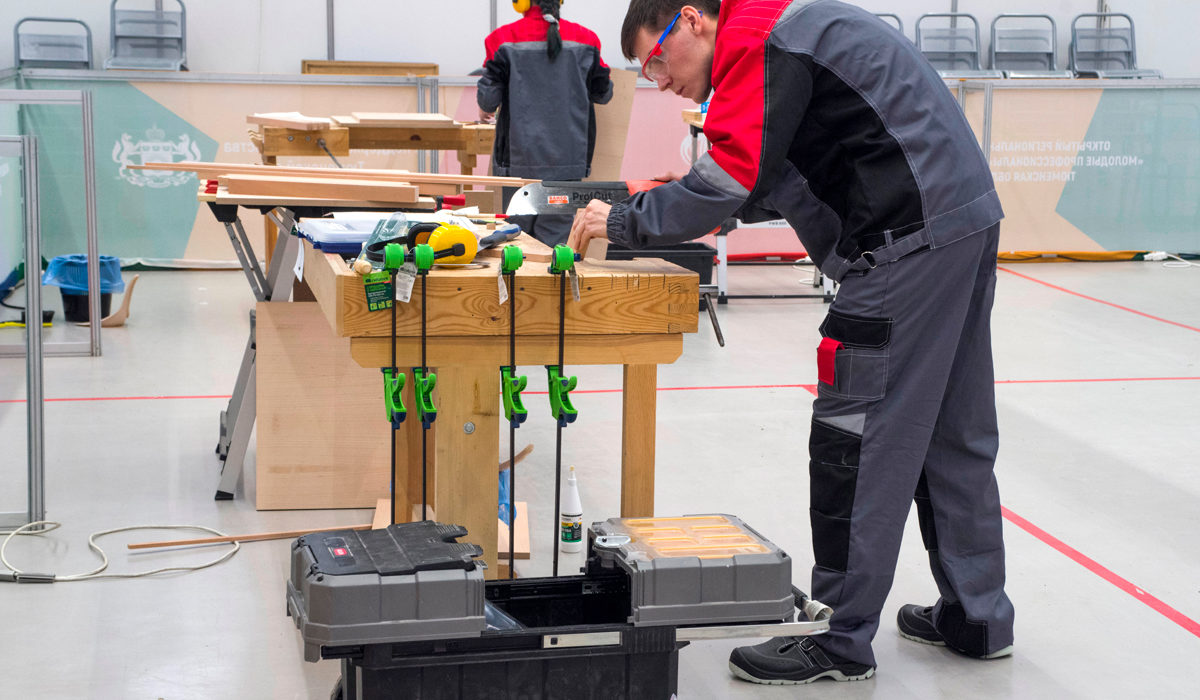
point(885, 16)
point(83, 99)
point(993, 53)
point(237, 420)
point(17, 40)
point(25, 148)
point(155, 16)
point(977, 49)
point(1103, 18)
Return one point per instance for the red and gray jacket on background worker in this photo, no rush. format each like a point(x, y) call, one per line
point(850, 146)
point(546, 128)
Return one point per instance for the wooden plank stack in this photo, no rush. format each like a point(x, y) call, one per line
point(241, 183)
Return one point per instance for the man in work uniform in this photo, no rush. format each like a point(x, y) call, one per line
point(825, 116)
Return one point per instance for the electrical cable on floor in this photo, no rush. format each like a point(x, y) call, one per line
point(1177, 262)
point(15, 575)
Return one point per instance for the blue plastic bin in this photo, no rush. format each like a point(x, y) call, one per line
point(69, 274)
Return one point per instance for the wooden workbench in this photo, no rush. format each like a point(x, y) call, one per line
point(468, 140)
point(629, 313)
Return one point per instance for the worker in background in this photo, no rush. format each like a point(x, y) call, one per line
point(543, 74)
point(824, 115)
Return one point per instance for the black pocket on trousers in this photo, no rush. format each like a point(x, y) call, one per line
point(831, 488)
point(857, 331)
point(861, 364)
point(831, 541)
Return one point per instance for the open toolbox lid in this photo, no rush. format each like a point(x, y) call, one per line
point(698, 569)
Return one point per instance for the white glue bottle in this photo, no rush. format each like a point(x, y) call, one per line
point(571, 519)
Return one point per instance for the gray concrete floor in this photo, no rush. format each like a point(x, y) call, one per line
point(1097, 407)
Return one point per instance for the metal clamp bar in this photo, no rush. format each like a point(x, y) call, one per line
point(254, 275)
point(783, 629)
point(283, 259)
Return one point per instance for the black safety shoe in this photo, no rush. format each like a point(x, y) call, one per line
point(916, 623)
point(793, 661)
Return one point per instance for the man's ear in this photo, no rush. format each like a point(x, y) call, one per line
point(692, 17)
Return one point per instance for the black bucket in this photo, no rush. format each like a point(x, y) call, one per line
point(75, 306)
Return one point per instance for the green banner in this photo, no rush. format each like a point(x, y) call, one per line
point(140, 214)
point(1139, 188)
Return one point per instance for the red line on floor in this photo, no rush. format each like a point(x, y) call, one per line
point(811, 388)
point(1100, 301)
point(1091, 565)
point(1090, 381)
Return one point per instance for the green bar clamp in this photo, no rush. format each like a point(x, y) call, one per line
point(423, 257)
point(512, 260)
point(423, 383)
point(512, 386)
point(393, 256)
point(392, 386)
point(562, 259)
point(560, 398)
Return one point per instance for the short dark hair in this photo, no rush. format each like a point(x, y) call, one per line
point(654, 15)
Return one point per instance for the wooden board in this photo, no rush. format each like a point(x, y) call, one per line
point(616, 298)
point(693, 117)
point(289, 120)
point(322, 435)
point(403, 119)
point(310, 66)
point(222, 196)
point(327, 188)
point(214, 170)
point(612, 128)
point(520, 539)
point(281, 141)
point(535, 251)
point(531, 350)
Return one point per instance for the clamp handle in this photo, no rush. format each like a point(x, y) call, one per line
point(392, 386)
point(512, 386)
point(422, 255)
point(560, 395)
point(393, 256)
point(511, 260)
point(562, 259)
point(423, 383)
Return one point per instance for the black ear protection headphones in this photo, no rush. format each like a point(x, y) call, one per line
point(522, 6)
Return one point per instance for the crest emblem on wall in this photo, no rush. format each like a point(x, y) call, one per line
point(155, 148)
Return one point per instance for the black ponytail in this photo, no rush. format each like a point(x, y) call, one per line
point(550, 10)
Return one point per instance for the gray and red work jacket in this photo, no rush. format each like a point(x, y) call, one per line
point(825, 116)
point(546, 128)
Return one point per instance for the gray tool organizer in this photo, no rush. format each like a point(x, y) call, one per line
point(408, 614)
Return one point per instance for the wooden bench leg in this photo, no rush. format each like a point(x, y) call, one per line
point(638, 412)
point(468, 485)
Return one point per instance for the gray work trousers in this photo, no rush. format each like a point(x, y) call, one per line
point(906, 410)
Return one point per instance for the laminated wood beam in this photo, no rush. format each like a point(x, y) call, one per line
point(327, 188)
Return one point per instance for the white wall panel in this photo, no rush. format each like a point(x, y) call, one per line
point(272, 36)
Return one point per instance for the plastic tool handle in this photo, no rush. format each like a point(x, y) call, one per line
point(513, 258)
point(562, 260)
point(392, 388)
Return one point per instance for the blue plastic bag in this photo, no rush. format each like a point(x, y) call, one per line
point(506, 516)
point(70, 273)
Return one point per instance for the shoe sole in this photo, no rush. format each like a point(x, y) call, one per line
point(922, 640)
point(833, 674)
point(1000, 654)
